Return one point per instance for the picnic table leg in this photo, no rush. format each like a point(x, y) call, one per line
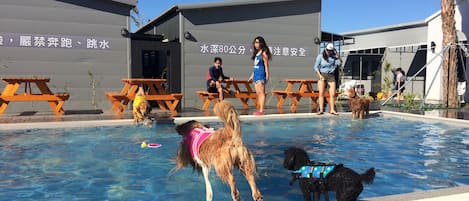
point(254, 100)
point(57, 107)
point(3, 106)
point(115, 105)
point(121, 107)
point(131, 94)
point(206, 102)
point(161, 104)
point(294, 102)
point(280, 100)
point(9, 90)
point(215, 101)
point(245, 102)
point(172, 105)
point(314, 103)
point(54, 105)
point(120, 111)
point(43, 88)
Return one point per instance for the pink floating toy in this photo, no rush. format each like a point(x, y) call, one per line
point(149, 145)
point(153, 145)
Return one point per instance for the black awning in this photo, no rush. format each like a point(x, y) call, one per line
point(420, 59)
point(332, 37)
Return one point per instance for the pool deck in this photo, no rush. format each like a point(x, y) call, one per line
point(460, 193)
point(13, 121)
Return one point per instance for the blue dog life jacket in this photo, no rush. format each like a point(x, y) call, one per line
point(314, 171)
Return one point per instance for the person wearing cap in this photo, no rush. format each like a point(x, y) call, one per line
point(399, 81)
point(325, 66)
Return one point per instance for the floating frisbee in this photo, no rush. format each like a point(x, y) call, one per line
point(149, 145)
point(153, 145)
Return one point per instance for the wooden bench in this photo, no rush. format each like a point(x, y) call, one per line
point(281, 95)
point(154, 92)
point(116, 98)
point(56, 100)
point(9, 93)
point(242, 90)
point(37, 97)
point(207, 98)
point(165, 101)
point(169, 101)
point(295, 98)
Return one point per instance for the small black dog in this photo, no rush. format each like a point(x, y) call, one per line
point(346, 183)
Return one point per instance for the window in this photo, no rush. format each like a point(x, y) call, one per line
point(362, 64)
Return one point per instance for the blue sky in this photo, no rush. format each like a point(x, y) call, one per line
point(337, 15)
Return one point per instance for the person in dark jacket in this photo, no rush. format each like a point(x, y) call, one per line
point(215, 76)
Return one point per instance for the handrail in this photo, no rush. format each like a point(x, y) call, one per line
point(415, 75)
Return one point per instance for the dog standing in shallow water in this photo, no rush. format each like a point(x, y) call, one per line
point(360, 106)
point(223, 149)
point(346, 183)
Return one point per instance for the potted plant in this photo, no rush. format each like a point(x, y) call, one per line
point(388, 81)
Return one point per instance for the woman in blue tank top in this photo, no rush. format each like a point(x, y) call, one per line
point(260, 75)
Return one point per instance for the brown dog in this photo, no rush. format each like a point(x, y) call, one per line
point(222, 149)
point(141, 109)
point(359, 106)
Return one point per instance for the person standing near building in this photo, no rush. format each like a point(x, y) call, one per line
point(399, 82)
point(325, 66)
point(260, 75)
point(215, 76)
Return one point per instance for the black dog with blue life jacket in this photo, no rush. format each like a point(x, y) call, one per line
point(317, 178)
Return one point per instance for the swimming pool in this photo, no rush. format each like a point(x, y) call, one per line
point(107, 163)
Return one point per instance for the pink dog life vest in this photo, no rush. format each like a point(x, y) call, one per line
point(195, 138)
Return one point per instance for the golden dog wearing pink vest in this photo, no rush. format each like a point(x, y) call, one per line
point(222, 149)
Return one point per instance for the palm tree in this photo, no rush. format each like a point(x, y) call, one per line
point(450, 96)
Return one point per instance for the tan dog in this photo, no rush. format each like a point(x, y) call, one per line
point(141, 109)
point(222, 149)
point(359, 106)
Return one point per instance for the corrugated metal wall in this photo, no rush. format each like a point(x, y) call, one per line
point(401, 46)
point(82, 70)
point(288, 26)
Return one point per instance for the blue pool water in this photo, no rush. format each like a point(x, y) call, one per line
point(107, 163)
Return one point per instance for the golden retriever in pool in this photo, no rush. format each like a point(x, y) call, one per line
point(141, 109)
point(223, 149)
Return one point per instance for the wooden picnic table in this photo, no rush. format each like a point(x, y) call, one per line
point(10, 93)
point(155, 92)
point(242, 90)
point(305, 89)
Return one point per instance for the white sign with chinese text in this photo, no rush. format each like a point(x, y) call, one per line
point(236, 49)
point(53, 41)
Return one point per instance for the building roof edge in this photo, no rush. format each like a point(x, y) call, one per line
point(132, 3)
point(394, 27)
point(181, 7)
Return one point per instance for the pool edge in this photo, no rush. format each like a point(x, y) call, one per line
point(177, 120)
point(445, 194)
point(459, 122)
point(64, 124)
